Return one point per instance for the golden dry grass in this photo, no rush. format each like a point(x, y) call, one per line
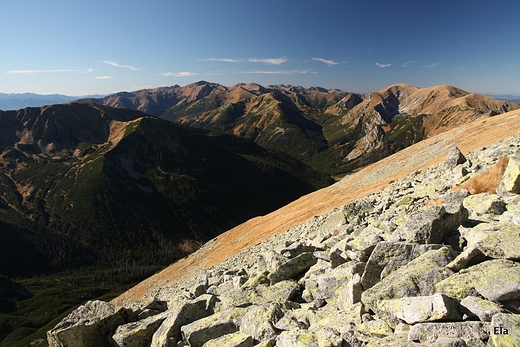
point(487, 181)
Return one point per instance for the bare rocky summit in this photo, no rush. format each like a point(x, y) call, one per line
point(420, 262)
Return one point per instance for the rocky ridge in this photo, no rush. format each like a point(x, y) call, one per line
point(418, 263)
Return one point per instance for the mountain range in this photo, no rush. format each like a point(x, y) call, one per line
point(137, 180)
point(331, 130)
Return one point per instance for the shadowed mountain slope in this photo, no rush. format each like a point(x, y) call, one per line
point(86, 184)
point(331, 130)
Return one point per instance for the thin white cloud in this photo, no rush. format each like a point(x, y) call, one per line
point(113, 63)
point(432, 65)
point(408, 63)
point(277, 72)
point(224, 60)
point(31, 72)
point(179, 74)
point(382, 66)
point(104, 77)
point(272, 61)
point(326, 61)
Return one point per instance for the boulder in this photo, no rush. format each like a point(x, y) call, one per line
point(91, 324)
point(432, 224)
point(259, 321)
point(201, 331)
point(505, 330)
point(495, 280)
point(454, 158)
point(473, 333)
point(169, 332)
point(484, 203)
point(417, 278)
point(303, 338)
point(437, 307)
point(388, 256)
point(502, 243)
point(475, 307)
point(237, 339)
point(511, 179)
point(136, 334)
point(292, 267)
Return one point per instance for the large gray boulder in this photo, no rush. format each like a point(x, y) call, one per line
point(169, 332)
point(417, 278)
point(432, 224)
point(201, 331)
point(292, 267)
point(473, 306)
point(91, 324)
point(437, 307)
point(388, 256)
point(136, 334)
point(259, 322)
point(495, 280)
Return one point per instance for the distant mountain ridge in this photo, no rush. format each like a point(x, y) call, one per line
point(329, 129)
point(16, 101)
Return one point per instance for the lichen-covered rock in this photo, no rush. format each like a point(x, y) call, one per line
point(437, 307)
point(292, 267)
point(91, 324)
point(417, 278)
point(473, 306)
point(432, 224)
point(388, 256)
point(201, 331)
point(501, 243)
point(237, 339)
point(136, 334)
point(169, 332)
point(303, 338)
point(259, 322)
point(511, 180)
point(471, 332)
point(495, 280)
point(505, 330)
point(484, 203)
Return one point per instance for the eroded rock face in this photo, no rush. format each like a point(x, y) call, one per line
point(414, 265)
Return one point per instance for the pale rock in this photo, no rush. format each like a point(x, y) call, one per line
point(484, 203)
point(231, 340)
point(91, 324)
point(495, 280)
point(259, 321)
point(454, 158)
point(211, 327)
point(136, 334)
point(473, 306)
point(499, 324)
point(511, 179)
point(169, 332)
point(292, 267)
point(437, 307)
point(388, 256)
point(417, 278)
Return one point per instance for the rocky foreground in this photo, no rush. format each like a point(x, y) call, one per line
point(431, 260)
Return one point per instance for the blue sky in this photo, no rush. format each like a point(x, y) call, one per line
point(84, 47)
